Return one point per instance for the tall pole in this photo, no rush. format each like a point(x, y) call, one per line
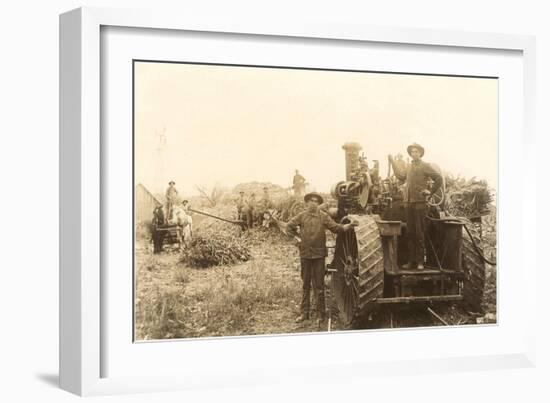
point(160, 177)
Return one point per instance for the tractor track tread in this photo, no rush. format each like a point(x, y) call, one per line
point(474, 272)
point(365, 285)
point(366, 293)
point(369, 280)
point(364, 279)
point(371, 254)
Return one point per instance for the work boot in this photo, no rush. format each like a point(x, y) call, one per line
point(409, 266)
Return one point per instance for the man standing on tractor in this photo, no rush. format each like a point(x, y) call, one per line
point(313, 224)
point(416, 193)
point(298, 184)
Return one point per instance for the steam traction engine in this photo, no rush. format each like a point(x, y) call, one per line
point(367, 261)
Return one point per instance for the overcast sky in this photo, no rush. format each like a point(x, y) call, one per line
point(230, 125)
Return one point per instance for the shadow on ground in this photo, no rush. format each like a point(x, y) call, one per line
point(49, 379)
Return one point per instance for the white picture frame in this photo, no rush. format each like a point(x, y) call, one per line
point(83, 307)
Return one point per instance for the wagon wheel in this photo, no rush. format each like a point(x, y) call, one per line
point(473, 266)
point(359, 261)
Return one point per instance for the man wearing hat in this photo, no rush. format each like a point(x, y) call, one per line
point(265, 202)
point(313, 224)
point(185, 206)
point(171, 197)
point(241, 201)
point(416, 192)
point(298, 183)
point(250, 210)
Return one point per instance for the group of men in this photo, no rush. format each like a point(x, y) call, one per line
point(250, 210)
point(314, 222)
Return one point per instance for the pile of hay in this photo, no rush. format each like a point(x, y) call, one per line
point(211, 247)
point(467, 198)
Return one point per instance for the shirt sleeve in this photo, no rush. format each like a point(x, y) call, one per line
point(398, 172)
point(431, 173)
point(292, 225)
point(331, 224)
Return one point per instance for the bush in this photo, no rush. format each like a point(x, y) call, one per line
point(210, 248)
point(467, 198)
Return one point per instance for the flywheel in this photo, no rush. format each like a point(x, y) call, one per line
point(359, 263)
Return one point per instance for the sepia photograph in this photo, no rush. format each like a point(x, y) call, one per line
point(271, 200)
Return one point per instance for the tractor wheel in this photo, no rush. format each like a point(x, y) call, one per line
point(473, 266)
point(359, 263)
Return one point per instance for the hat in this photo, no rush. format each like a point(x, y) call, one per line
point(418, 147)
point(313, 194)
point(171, 183)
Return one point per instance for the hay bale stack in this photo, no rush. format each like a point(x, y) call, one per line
point(212, 247)
point(467, 198)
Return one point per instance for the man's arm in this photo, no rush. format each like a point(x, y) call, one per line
point(292, 225)
point(431, 173)
point(333, 226)
point(396, 171)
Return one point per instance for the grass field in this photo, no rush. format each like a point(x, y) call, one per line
point(259, 296)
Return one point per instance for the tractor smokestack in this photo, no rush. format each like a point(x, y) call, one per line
point(352, 158)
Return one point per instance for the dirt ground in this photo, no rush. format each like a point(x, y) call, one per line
point(260, 296)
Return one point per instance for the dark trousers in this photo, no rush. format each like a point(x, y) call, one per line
point(169, 209)
point(250, 218)
point(158, 239)
point(416, 214)
point(313, 273)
